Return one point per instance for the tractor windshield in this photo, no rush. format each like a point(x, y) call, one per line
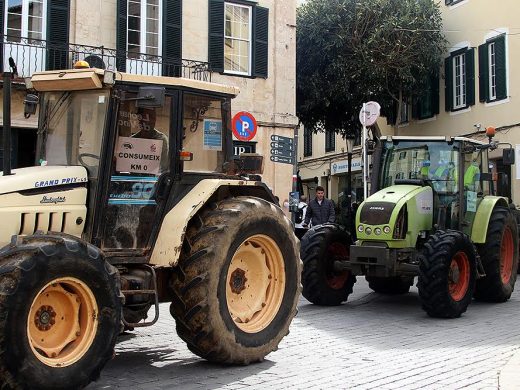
point(436, 162)
point(71, 129)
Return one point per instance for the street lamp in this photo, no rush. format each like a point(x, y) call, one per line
point(350, 148)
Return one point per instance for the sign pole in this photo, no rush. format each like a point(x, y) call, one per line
point(365, 155)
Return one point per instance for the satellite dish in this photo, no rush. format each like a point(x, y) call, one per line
point(95, 62)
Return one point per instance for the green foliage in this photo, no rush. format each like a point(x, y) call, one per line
point(353, 51)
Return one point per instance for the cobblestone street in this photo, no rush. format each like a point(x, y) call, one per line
point(371, 342)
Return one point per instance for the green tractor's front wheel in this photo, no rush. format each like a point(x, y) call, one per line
point(447, 274)
point(60, 313)
point(499, 256)
point(320, 248)
point(237, 283)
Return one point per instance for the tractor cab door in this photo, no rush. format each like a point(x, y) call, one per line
point(141, 161)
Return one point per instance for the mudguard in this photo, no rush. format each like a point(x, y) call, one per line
point(484, 211)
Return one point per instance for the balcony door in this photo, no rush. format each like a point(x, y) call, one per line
point(24, 34)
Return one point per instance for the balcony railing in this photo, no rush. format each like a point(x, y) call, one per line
point(34, 55)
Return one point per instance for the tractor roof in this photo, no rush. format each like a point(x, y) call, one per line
point(92, 78)
point(430, 139)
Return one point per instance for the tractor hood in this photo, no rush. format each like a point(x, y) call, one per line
point(41, 177)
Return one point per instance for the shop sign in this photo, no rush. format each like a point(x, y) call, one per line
point(342, 166)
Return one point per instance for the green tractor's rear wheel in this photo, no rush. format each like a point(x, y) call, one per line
point(447, 274)
point(320, 248)
point(237, 282)
point(60, 313)
point(499, 256)
point(392, 286)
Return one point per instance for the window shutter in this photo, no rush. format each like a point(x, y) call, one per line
point(122, 16)
point(416, 108)
point(470, 77)
point(216, 36)
point(435, 94)
point(58, 12)
point(483, 73)
point(448, 83)
point(172, 38)
point(501, 71)
point(261, 42)
point(2, 16)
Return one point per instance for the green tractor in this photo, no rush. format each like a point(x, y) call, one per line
point(136, 200)
point(434, 214)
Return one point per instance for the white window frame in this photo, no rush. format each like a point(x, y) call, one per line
point(25, 19)
point(459, 81)
point(492, 71)
point(250, 41)
point(143, 31)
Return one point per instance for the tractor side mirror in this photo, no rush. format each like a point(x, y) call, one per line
point(150, 97)
point(508, 156)
point(29, 105)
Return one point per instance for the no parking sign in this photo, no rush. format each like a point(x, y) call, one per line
point(244, 126)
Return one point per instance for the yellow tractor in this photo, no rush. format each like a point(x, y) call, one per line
point(136, 199)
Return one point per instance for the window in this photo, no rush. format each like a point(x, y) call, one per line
point(452, 2)
point(144, 24)
point(307, 142)
point(492, 70)
point(427, 104)
point(403, 117)
point(238, 38)
point(330, 140)
point(25, 19)
point(460, 80)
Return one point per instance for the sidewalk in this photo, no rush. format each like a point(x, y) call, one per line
point(509, 377)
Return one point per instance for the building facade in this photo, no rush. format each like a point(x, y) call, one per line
point(477, 87)
point(247, 44)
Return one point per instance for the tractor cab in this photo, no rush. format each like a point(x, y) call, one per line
point(131, 138)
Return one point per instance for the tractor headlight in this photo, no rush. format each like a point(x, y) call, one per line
point(360, 228)
point(386, 229)
point(377, 231)
point(368, 231)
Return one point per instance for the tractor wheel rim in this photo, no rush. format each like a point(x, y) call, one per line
point(62, 322)
point(255, 283)
point(458, 279)
point(506, 255)
point(335, 280)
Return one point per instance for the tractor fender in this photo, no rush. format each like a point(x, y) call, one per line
point(484, 211)
point(173, 229)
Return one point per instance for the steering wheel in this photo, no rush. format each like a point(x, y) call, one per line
point(89, 155)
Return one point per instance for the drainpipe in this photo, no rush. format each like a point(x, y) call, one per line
point(7, 123)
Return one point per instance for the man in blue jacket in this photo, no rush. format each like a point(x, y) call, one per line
point(320, 209)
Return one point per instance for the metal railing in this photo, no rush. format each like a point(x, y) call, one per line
point(34, 55)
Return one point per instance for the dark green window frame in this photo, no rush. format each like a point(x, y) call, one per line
point(259, 40)
point(492, 70)
point(427, 104)
point(307, 142)
point(465, 81)
point(330, 140)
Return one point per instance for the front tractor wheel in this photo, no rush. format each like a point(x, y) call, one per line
point(447, 274)
point(499, 256)
point(320, 248)
point(60, 313)
point(237, 282)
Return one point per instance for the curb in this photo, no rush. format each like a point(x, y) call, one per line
point(509, 376)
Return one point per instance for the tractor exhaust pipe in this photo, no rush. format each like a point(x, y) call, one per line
point(7, 124)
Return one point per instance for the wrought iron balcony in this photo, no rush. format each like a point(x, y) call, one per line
point(34, 55)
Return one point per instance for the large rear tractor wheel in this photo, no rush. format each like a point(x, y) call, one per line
point(237, 281)
point(447, 274)
point(391, 286)
point(499, 256)
point(320, 248)
point(60, 313)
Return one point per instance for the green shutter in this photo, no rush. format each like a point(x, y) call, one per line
point(470, 77)
point(172, 37)
point(501, 71)
point(2, 15)
point(122, 16)
point(261, 38)
point(483, 73)
point(58, 17)
point(216, 35)
point(435, 94)
point(448, 83)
